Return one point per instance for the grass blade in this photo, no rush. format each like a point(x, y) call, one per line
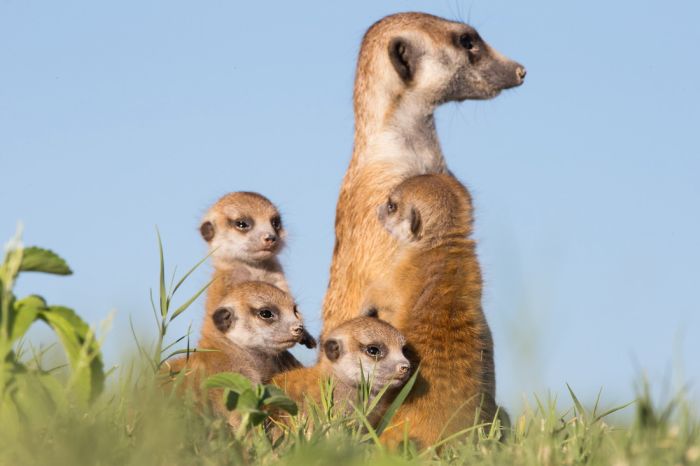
point(187, 303)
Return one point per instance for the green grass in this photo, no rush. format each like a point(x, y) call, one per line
point(62, 416)
point(136, 422)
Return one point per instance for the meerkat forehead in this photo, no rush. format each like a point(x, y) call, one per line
point(434, 193)
point(366, 330)
point(244, 203)
point(433, 27)
point(258, 294)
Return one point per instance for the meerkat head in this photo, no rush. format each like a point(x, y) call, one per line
point(427, 206)
point(260, 317)
point(243, 226)
point(435, 60)
point(370, 346)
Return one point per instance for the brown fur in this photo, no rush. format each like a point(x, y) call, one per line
point(231, 356)
point(395, 137)
point(342, 366)
point(243, 256)
point(432, 294)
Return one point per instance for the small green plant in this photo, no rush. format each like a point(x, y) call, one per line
point(24, 383)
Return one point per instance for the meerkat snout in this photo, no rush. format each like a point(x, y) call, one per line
point(521, 72)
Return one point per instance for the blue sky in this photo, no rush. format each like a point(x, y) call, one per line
point(115, 118)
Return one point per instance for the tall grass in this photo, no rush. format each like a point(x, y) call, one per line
point(135, 421)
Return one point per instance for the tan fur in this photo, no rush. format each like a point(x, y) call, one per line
point(432, 294)
point(395, 138)
point(352, 338)
point(242, 256)
point(259, 363)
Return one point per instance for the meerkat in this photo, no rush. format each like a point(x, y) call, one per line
point(361, 347)
point(249, 329)
point(432, 294)
point(409, 63)
point(244, 233)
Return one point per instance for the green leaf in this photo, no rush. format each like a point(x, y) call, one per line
point(25, 312)
point(81, 348)
point(281, 402)
point(230, 380)
point(184, 277)
point(43, 260)
point(579, 407)
point(248, 401)
point(163, 294)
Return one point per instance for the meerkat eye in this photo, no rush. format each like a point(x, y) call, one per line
point(265, 314)
point(391, 206)
point(466, 41)
point(276, 223)
point(373, 351)
point(240, 224)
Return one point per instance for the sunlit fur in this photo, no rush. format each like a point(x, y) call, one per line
point(432, 294)
point(353, 337)
point(240, 256)
point(251, 346)
point(395, 138)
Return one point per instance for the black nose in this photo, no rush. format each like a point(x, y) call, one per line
point(270, 239)
point(404, 368)
point(298, 330)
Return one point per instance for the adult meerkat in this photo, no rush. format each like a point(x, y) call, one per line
point(362, 344)
point(432, 294)
point(249, 329)
point(409, 63)
point(244, 232)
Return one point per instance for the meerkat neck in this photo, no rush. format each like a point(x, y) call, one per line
point(398, 127)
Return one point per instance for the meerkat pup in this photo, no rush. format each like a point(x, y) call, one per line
point(249, 329)
point(361, 347)
point(244, 232)
point(409, 64)
point(432, 294)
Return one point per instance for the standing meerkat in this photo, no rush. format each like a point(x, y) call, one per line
point(409, 64)
point(249, 329)
point(361, 344)
point(245, 234)
point(432, 294)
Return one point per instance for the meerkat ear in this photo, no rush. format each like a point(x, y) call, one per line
point(223, 318)
point(207, 231)
point(332, 349)
point(308, 340)
point(415, 222)
point(404, 58)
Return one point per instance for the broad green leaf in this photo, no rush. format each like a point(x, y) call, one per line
point(248, 401)
point(25, 312)
point(255, 416)
point(231, 380)
point(81, 348)
point(43, 260)
point(230, 399)
point(281, 402)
